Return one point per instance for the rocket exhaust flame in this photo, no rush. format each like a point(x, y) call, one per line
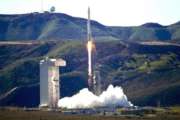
point(90, 75)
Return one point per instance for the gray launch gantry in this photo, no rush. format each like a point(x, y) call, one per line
point(49, 82)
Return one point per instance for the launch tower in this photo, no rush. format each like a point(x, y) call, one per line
point(49, 82)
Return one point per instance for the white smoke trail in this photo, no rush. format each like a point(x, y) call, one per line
point(113, 96)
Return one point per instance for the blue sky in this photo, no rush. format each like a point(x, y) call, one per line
point(108, 12)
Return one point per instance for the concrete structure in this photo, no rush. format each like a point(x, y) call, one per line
point(49, 82)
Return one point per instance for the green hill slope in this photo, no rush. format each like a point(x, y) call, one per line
point(149, 74)
point(144, 60)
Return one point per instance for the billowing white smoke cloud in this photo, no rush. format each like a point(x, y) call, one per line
point(113, 96)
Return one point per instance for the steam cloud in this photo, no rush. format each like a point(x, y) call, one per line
point(113, 96)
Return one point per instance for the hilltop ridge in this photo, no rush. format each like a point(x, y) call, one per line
point(59, 26)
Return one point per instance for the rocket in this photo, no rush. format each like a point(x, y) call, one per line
point(89, 26)
point(94, 81)
point(90, 51)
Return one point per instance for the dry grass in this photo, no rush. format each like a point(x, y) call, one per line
point(44, 115)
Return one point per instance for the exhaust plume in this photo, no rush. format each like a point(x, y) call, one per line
point(90, 75)
point(113, 96)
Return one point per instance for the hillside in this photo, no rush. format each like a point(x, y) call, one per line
point(148, 73)
point(58, 26)
point(144, 60)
